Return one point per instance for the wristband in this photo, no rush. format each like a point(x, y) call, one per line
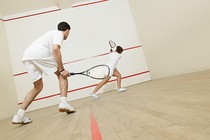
point(61, 70)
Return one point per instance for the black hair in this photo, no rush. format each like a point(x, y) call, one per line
point(63, 26)
point(119, 49)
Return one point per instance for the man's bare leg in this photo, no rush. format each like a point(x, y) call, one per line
point(64, 105)
point(38, 86)
point(19, 117)
point(103, 82)
point(119, 77)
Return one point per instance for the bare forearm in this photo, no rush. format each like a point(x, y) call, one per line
point(58, 57)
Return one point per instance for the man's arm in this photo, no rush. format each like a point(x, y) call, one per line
point(58, 59)
point(57, 55)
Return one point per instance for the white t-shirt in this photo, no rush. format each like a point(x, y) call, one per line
point(41, 48)
point(113, 57)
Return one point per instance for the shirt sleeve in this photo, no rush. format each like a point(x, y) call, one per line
point(58, 38)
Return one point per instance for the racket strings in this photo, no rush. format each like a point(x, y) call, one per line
point(112, 44)
point(99, 72)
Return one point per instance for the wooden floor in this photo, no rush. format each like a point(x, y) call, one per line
point(176, 108)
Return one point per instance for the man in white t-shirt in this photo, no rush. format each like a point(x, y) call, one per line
point(114, 57)
point(44, 56)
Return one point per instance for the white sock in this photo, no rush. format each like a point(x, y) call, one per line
point(63, 99)
point(21, 112)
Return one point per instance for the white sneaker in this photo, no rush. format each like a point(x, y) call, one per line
point(94, 96)
point(121, 90)
point(21, 120)
point(65, 107)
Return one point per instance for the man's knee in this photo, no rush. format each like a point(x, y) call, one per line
point(38, 85)
point(119, 75)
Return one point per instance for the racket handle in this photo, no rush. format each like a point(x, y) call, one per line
point(72, 73)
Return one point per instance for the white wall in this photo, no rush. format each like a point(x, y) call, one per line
point(175, 35)
point(8, 99)
point(1, 16)
point(92, 27)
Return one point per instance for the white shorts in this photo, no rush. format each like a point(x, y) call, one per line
point(111, 70)
point(36, 68)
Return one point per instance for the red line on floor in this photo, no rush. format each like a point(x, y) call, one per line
point(95, 130)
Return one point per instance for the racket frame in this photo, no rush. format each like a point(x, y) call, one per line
point(112, 42)
point(85, 73)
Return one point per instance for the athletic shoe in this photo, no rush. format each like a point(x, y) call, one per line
point(94, 96)
point(65, 107)
point(21, 120)
point(121, 90)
